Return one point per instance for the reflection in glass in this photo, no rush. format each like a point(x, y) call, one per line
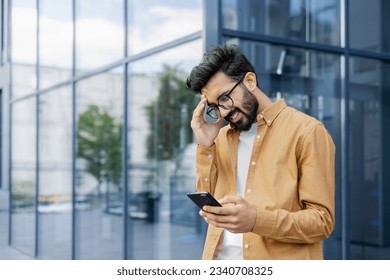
point(369, 25)
point(154, 22)
point(312, 21)
point(166, 224)
point(99, 167)
point(24, 47)
point(99, 33)
point(55, 175)
point(24, 30)
point(368, 211)
point(55, 41)
point(23, 176)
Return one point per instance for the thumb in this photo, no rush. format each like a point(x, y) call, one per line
point(230, 199)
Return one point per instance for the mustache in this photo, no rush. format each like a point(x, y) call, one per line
point(232, 112)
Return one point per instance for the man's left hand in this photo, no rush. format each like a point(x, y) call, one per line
point(236, 214)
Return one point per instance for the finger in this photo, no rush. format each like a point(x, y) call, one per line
point(199, 109)
point(228, 226)
point(203, 214)
point(230, 199)
point(220, 211)
point(223, 219)
point(202, 101)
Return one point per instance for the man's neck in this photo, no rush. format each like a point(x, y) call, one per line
point(264, 101)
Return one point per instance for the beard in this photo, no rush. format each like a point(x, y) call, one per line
point(250, 105)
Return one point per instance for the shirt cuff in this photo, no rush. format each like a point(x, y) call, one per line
point(265, 221)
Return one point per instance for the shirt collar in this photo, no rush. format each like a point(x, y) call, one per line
point(270, 113)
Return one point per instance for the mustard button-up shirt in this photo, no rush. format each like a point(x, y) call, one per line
point(290, 182)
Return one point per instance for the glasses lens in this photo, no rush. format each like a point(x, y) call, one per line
point(225, 102)
point(212, 112)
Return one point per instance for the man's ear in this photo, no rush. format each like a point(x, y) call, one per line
point(250, 81)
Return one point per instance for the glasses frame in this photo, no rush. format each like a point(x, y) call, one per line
point(213, 110)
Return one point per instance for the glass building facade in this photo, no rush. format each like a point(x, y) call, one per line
point(96, 148)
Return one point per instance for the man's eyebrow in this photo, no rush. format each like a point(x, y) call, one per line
point(214, 104)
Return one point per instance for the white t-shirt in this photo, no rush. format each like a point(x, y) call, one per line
point(231, 246)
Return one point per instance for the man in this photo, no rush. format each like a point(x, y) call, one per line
point(272, 168)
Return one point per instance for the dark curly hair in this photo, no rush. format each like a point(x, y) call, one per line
point(227, 58)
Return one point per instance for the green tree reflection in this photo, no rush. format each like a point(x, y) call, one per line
point(99, 138)
point(169, 116)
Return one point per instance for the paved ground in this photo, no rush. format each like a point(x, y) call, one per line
point(7, 252)
point(163, 240)
point(100, 236)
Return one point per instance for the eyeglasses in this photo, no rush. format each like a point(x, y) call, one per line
point(224, 101)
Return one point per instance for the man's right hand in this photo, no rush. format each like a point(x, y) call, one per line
point(205, 132)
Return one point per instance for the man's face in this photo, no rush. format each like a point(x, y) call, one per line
point(242, 114)
point(250, 106)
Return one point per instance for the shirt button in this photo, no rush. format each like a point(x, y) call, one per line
point(246, 246)
point(261, 116)
point(209, 155)
point(253, 163)
point(206, 179)
point(248, 190)
point(269, 122)
point(258, 136)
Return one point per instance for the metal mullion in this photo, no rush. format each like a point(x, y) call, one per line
point(250, 36)
point(304, 45)
point(212, 23)
point(73, 82)
point(345, 187)
point(178, 42)
point(369, 54)
point(37, 127)
point(9, 61)
point(125, 139)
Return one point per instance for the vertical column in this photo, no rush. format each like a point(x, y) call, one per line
point(345, 196)
point(74, 134)
point(127, 225)
point(212, 16)
point(385, 129)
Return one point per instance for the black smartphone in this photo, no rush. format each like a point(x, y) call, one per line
point(206, 117)
point(203, 198)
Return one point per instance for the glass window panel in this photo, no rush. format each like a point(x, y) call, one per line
point(369, 25)
point(165, 223)
point(23, 79)
point(24, 31)
point(55, 175)
point(55, 41)
point(23, 164)
point(368, 87)
point(99, 33)
point(310, 82)
point(312, 21)
point(24, 47)
point(154, 22)
point(99, 184)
